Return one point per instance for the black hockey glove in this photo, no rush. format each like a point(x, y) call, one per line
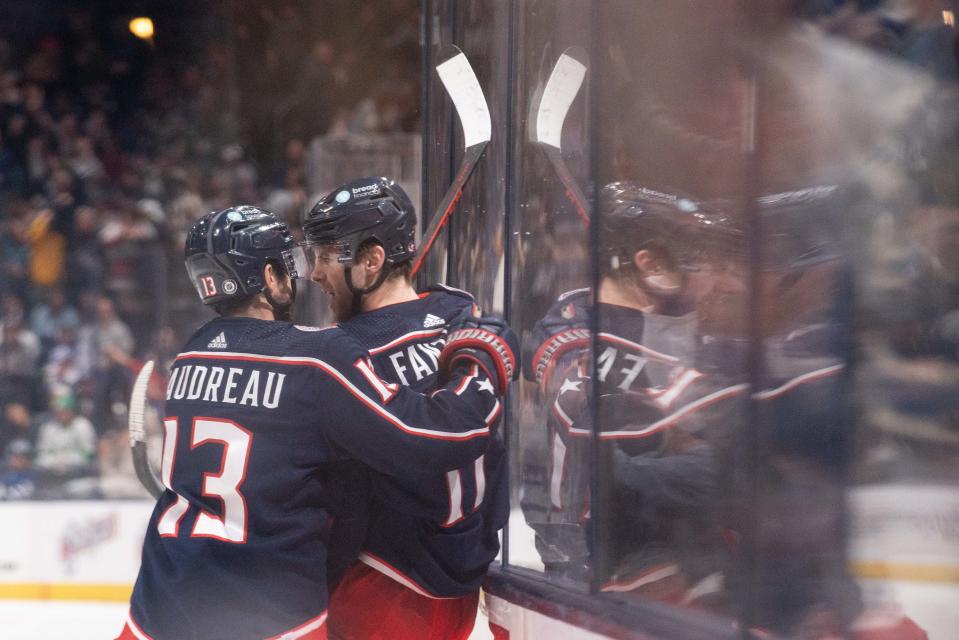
point(488, 342)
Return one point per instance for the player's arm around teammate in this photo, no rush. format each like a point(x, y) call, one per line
point(236, 546)
point(414, 551)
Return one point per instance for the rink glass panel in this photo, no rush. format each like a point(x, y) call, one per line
point(549, 256)
point(669, 408)
point(442, 135)
point(800, 501)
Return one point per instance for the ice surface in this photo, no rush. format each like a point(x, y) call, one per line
point(48, 619)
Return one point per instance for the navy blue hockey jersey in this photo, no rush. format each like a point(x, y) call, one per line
point(436, 533)
point(236, 547)
point(672, 404)
point(647, 387)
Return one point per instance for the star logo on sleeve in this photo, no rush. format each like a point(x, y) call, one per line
point(485, 385)
point(570, 385)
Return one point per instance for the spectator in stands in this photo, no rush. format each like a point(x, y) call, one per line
point(47, 250)
point(17, 475)
point(9, 174)
point(85, 162)
point(11, 308)
point(44, 65)
point(104, 348)
point(52, 315)
point(19, 357)
point(294, 158)
point(61, 368)
point(14, 256)
point(107, 155)
point(186, 204)
point(66, 445)
point(84, 260)
point(16, 423)
point(289, 201)
point(125, 239)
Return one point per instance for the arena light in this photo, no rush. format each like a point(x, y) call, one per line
point(142, 28)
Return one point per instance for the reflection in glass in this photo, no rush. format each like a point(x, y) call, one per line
point(669, 394)
point(771, 397)
point(550, 255)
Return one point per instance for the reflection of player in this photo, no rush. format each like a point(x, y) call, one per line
point(654, 265)
point(256, 409)
point(801, 587)
point(429, 539)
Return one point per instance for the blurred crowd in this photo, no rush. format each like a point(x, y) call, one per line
point(110, 147)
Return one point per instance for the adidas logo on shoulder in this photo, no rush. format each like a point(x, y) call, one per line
point(218, 342)
point(432, 321)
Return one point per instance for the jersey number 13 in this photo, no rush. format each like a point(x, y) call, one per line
point(225, 485)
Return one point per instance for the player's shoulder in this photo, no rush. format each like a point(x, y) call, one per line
point(324, 343)
point(276, 339)
point(563, 330)
point(575, 294)
point(570, 309)
point(442, 301)
point(447, 294)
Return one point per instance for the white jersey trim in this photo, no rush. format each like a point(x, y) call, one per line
point(672, 419)
point(391, 572)
point(573, 292)
point(797, 381)
point(340, 378)
point(412, 335)
point(302, 630)
point(652, 353)
point(647, 578)
point(135, 628)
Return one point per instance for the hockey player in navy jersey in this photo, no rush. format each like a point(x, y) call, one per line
point(658, 257)
point(257, 410)
point(427, 540)
point(682, 487)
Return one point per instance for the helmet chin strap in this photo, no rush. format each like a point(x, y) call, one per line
point(358, 293)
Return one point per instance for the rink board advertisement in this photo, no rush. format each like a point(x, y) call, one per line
point(904, 546)
point(71, 550)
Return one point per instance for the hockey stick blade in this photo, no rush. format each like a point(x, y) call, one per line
point(561, 89)
point(464, 89)
point(138, 400)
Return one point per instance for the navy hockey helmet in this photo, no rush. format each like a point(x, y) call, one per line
point(803, 228)
point(635, 218)
point(226, 251)
point(366, 209)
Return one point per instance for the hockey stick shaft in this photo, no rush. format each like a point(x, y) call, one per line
point(562, 86)
point(470, 105)
point(449, 202)
point(141, 463)
point(571, 190)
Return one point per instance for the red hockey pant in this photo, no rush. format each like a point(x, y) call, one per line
point(368, 605)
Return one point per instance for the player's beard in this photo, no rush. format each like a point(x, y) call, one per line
point(345, 303)
point(282, 304)
point(341, 304)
